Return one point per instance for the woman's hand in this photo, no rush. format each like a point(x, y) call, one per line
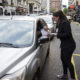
point(52, 34)
point(55, 34)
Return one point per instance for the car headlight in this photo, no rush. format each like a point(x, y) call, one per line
point(19, 75)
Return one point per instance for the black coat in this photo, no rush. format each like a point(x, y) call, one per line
point(65, 35)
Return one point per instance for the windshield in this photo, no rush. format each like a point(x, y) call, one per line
point(19, 33)
point(48, 20)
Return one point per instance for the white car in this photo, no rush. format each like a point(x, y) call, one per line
point(22, 52)
point(2, 10)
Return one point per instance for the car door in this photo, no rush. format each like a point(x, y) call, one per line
point(43, 46)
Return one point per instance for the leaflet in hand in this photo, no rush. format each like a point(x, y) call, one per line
point(52, 34)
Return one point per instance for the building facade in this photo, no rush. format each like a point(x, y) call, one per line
point(57, 4)
point(34, 6)
point(70, 2)
point(76, 3)
point(11, 6)
point(29, 6)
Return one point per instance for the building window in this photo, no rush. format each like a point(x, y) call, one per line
point(24, 0)
point(12, 2)
point(5, 2)
point(19, 0)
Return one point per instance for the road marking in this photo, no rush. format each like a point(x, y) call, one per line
point(76, 54)
point(77, 23)
point(72, 60)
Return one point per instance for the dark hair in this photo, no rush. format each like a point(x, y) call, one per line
point(61, 15)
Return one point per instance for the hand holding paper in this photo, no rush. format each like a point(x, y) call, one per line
point(53, 34)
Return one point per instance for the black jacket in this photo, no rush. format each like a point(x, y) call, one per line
point(65, 35)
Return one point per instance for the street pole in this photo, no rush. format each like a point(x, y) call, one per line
point(48, 6)
point(61, 4)
point(27, 6)
point(37, 9)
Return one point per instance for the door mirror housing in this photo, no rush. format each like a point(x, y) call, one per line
point(43, 40)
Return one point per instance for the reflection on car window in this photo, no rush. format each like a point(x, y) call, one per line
point(48, 20)
point(16, 32)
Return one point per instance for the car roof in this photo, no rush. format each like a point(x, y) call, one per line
point(22, 18)
point(5, 17)
point(18, 18)
point(45, 16)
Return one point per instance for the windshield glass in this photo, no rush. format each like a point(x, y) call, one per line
point(17, 32)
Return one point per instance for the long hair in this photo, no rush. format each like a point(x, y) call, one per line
point(61, 15)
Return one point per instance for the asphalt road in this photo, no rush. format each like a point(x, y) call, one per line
point(53, 65)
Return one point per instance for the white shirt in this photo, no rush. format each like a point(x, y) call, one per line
point(44, 34)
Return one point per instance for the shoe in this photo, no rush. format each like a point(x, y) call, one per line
point(65, 76)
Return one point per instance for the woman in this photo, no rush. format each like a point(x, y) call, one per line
point(67, 44)
point(42, 29)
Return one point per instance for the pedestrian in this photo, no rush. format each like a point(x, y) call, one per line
point(67, 44)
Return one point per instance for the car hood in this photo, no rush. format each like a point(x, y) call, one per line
point(9, 57)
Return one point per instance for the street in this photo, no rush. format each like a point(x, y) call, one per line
point(53, 65)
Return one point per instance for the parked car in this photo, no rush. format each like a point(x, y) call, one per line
point(74, 17)
point(1, 10)
point(22, 52)
point(78, 18)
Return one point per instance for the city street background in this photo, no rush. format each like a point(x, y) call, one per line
point(53, 65)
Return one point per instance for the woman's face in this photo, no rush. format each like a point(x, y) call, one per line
point(56, 18)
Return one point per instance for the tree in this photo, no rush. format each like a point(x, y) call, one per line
point(53, 10)
point(65, 10)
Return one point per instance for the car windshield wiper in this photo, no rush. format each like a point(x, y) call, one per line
point(8, 44)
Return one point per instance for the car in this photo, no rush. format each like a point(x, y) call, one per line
point(48, 19)
point(22, 52)
point(1, 10)
point(32, 15)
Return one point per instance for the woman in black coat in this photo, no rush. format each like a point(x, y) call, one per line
point(67, 44)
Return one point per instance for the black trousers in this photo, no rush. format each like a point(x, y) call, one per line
point(66, 54)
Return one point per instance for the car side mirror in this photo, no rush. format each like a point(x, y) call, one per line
point(43, 40)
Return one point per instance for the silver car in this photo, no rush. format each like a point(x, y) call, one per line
point(22, 52)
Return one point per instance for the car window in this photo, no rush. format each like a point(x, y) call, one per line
point(16, 32)
point(40, 25)
point(48, 20)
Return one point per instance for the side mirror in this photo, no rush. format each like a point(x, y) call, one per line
point(43, 40)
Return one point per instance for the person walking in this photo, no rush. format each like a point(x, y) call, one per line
point(68, 44)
